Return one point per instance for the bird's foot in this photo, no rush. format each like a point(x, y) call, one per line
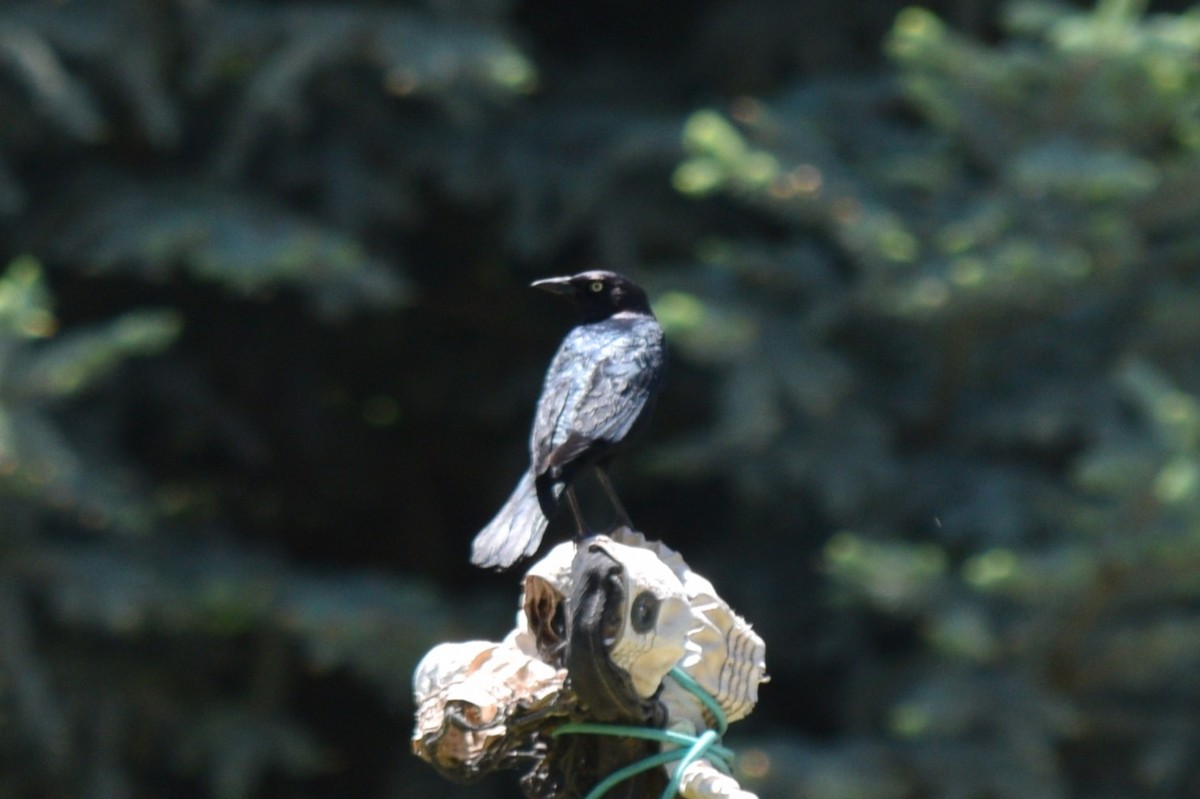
point(582, 530)
point(622, 519)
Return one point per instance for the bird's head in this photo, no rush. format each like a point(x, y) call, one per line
point(599, 294)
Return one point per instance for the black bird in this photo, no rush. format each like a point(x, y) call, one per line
point(600, 387)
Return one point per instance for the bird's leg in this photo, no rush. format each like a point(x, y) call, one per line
point(623, 519)
point(581, 527)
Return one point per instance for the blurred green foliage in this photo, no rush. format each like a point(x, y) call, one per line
point(266, 365)
point(992, 388)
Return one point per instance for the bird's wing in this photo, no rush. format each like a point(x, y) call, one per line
point(602, 386)
point(563, 380)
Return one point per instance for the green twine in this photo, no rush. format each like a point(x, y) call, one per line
point(685, 680)
point(690, 747)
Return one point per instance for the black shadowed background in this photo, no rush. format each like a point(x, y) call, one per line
point(268, 359)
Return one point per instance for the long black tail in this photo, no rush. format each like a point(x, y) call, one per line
point(515, 532)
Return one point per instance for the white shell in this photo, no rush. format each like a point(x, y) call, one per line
point(725, 656)
point(648, 656)
point(483, 682)
point(695, 629)
point(701, 780)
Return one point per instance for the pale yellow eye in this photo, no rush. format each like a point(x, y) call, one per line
point(596, 286)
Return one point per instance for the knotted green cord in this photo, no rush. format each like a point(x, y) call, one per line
point(707, 743)
point(691, 686)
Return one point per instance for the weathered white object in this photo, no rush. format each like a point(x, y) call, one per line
point(478, 700)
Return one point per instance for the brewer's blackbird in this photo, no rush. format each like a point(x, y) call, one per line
point(599, 388)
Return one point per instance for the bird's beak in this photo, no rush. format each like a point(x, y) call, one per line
point(554, 285)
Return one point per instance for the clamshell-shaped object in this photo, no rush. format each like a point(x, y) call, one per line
point(475, 701)
point(483, 706)
point(723, 653)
